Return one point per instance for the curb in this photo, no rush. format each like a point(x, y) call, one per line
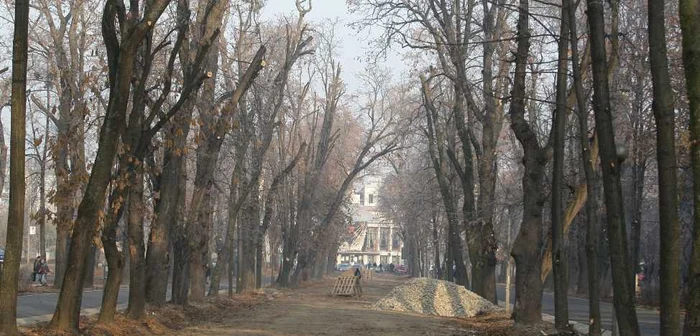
point(33, 320)
point(578, 327)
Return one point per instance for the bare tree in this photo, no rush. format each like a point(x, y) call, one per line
point(121, 54)
point(610, 163)
point(9, 275)
point(559, 256)
point(526, 249)
point(664, 114)
point(690, 26)
point(64, 46)
point(437, 150)
point(589, 154)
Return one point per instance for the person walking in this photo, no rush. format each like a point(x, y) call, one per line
point(43, 271)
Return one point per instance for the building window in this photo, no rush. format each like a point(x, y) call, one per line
point(371, 240)
point(384, 243)
point(371, 199)
point(395, 241)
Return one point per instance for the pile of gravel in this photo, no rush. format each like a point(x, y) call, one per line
point(435, 297)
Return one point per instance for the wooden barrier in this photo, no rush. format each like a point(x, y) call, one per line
point(347, 286)
point(368, 274)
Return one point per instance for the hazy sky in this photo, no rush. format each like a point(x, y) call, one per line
point(354, 49)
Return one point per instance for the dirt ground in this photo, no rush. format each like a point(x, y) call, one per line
point(312, 311)
point(308, 310)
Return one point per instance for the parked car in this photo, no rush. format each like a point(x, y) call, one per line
point(2, 255)
point(401, 269)
point(343, 267)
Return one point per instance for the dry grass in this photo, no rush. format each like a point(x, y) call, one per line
point(500, 324)
point(164, 320)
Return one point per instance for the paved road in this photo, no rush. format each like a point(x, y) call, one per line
point(578, 311)
point(34, 305)
point(35, 308)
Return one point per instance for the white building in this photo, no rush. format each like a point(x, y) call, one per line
point(371, 238)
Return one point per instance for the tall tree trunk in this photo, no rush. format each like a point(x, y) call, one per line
point(222, 264)
point(42, 211)
point(115, 265)
point(137, 263)
point(42, 179)
point(199, 249)
point(436, 247)
point(259, 264)
point(610, 163)
point(65, 192)
point(250, 219)
point(158, 258)
point(529, 241)
point(527, 250)
point(582, 281)
point(181, 270)
point(414, 265)
point(89, 279)
point(3, 156)
point(592, 184)
point(492, 123)
point(437, 155)
point(559, 257)
point(181, 254)
point(638, 176)
point(664, 114)
point(121, 61)
point(690, 25)
point(9, 277)
point(62, 236)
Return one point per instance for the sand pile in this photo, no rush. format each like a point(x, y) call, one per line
point(435, 297)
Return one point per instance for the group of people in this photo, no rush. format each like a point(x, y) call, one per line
point(41, 269)
point(381, 267)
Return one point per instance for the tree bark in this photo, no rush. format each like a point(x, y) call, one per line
point(690, 25)
point(89, 279)
point(115, 265)
point(437, 152)
point(436, 247)
point(638, 176)
point(246, 250)
point(582, 275)
point(42, 185)
point(9, 277)
point(559, 256)
point(137, 263)
point(3, 156)
point(121, 61)
point(180, 251)
point(494, 24)
point(588, 157)
point(158, 258)
point(199, 252)
point(664, 114)
point(617, 237)
point(269, 200)
point(528, 243)
point(181, 254)
point(222, 264)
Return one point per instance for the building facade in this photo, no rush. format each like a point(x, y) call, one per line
point(371, 238)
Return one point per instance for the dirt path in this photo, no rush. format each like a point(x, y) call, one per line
point(311, 311)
